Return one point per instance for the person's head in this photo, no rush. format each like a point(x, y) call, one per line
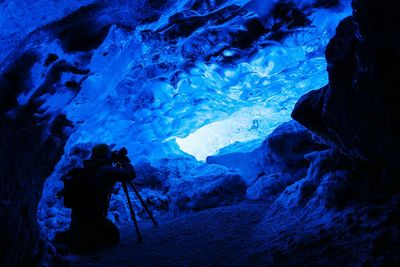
point(101, 151)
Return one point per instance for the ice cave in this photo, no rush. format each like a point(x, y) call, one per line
point(261, 132)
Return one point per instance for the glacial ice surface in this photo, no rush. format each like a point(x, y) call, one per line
point(161, 95)
point(180, 87)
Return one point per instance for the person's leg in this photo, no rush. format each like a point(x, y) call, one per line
point(111, 235)
point(81, 236)
point(89, 232)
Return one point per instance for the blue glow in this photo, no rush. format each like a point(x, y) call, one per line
point(153, 100)
point(192, 94)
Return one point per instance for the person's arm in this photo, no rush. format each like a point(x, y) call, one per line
point(130, 170)
point(127, 172)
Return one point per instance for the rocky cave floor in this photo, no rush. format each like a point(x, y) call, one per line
point(213, 237)
point(260, 234)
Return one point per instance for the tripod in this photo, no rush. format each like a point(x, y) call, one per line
point(132, 212)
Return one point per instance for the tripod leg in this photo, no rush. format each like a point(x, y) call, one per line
point(139, 235)
point(143, 204)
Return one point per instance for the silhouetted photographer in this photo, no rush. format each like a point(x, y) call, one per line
point(87, 192)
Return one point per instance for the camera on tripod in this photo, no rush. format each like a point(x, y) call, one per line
point(119, 156)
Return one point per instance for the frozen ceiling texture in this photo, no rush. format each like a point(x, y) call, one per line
point(174, 83)
point(194, 79)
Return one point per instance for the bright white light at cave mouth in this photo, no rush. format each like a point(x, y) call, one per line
point(245, 125)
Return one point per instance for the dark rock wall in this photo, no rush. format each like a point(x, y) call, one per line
point(358, 111)
point(28, 154)
point(358, 116)
point(25, 162)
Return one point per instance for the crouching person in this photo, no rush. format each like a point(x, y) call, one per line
point(87, 191)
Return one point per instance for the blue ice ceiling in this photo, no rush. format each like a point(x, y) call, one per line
point(204, 78)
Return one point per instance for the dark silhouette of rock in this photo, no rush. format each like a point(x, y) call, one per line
point(358, 112)
point(25, 161)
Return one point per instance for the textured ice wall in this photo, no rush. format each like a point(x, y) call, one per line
point(194, 82)
point(160, 92)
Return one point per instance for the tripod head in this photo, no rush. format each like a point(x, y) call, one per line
point(120, 156)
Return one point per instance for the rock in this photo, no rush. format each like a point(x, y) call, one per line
point(161, 173)
point(323, 162)
point(282, 152)
point(267, 187)
point(26, 160)
point(207, 186)
point(288, 145)
point(337, 189)
point(277, 163)
point(329, 178)
point(358, 112)
point(250, 165)
point(149, 176)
